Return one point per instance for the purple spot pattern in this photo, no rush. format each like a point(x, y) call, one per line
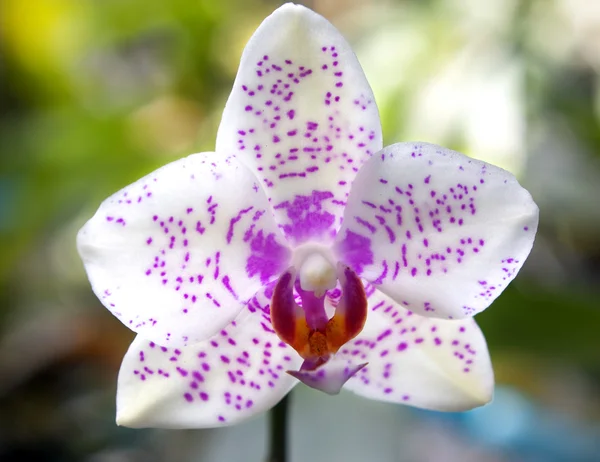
point(424, 226)
point(225, 379)
point(206, 252)
point(307, 217)
point(390, 340)
point(356, 250)
point(304, 125)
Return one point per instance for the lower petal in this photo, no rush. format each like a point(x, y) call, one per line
point(231, 377)
point(422, 362)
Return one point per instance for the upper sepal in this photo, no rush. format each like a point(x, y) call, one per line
point(302, 116)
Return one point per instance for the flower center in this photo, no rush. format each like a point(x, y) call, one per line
point(305, 326)
point(317, 275)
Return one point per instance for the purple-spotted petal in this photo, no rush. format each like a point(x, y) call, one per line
point(439, 232)
point(236, 374)
point(176, 254)
point(302, 116)
point(423, 362)
point(331, 376)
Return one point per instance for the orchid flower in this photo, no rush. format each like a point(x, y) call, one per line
point(302, 246)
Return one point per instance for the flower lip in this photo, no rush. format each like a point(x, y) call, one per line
point(311, 332)
point(306, 327)
point(329, 379)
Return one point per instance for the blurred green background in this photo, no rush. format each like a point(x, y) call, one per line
point(96, 93)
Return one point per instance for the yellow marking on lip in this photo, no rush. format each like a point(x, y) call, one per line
point(317, 345)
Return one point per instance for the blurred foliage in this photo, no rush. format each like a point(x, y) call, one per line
point(96, 93)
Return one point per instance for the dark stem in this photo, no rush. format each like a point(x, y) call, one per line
point(278, 431)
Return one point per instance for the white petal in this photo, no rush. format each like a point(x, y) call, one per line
point(439, 232)
point(302, 116)
point(176, 254)
point(235, 375)
point(423, 362)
